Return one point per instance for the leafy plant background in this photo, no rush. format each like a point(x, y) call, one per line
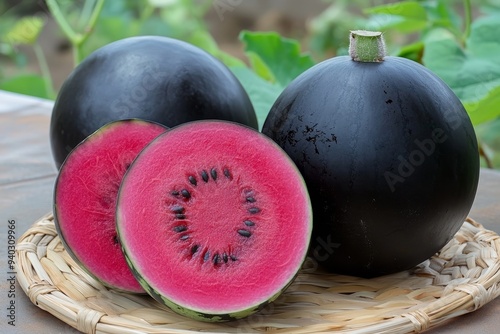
point(459, 40)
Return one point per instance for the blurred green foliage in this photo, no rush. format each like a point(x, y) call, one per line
point(456, 39)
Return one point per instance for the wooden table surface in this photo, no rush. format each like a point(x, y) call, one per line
point(27, 175)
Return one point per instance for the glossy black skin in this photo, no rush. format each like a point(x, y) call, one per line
point(348, 126)
point(148, 77)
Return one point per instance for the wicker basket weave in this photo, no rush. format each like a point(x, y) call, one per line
point(463, 277)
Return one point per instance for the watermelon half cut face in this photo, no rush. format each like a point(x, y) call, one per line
point(85, 195)
point(214, 220)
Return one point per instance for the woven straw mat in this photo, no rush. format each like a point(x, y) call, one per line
point(461, 278)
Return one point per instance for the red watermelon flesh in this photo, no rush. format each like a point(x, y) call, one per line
point(214, 219)
point(85, 199)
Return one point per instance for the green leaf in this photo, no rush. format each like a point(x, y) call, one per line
point(490, 140)
point(275, 57)
point(486, 109)
point(275, 62)
point(25, 31)
point(28, 84)
point(260, 67)
point(407, 9)
point(329, 30)
point(490, 7)
point(412, 51)
point(262, 93)
point(441, 13)
point(398, 23)
point(472, 72)
point(405, 16)
point(204, 40)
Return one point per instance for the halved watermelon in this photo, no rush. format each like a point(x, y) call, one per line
point(214, 220)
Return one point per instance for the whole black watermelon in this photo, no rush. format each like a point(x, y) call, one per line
point(148, 77)
point(389, 156)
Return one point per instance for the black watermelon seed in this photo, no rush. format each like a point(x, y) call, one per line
point(254, 210)
point(194, 249)
point(204, 175)
point(233, 258)
point(250, 199)
point(225, 258)
point(244, 233)
point(115, 240)
point(192, 180)
point(184, 237)
point(213, 172)
point(227, 174)
point(180, 216)
point(180, 228)
point(206, 257)
point(249, 223)
point(216, 258)
point(185, 193)
point(177, 208)
point(175, 193)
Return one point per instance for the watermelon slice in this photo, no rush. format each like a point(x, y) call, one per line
point(214, 220)
point(85, 196)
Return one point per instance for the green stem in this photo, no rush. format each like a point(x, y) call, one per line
point(76, 39)
point(77, 54)
point(367, 46)
point(44, 68)
point(78, 46)
point(72, 36)
point(86, 13)
point(468, 19)
point(93, 20)
point(61, 21)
